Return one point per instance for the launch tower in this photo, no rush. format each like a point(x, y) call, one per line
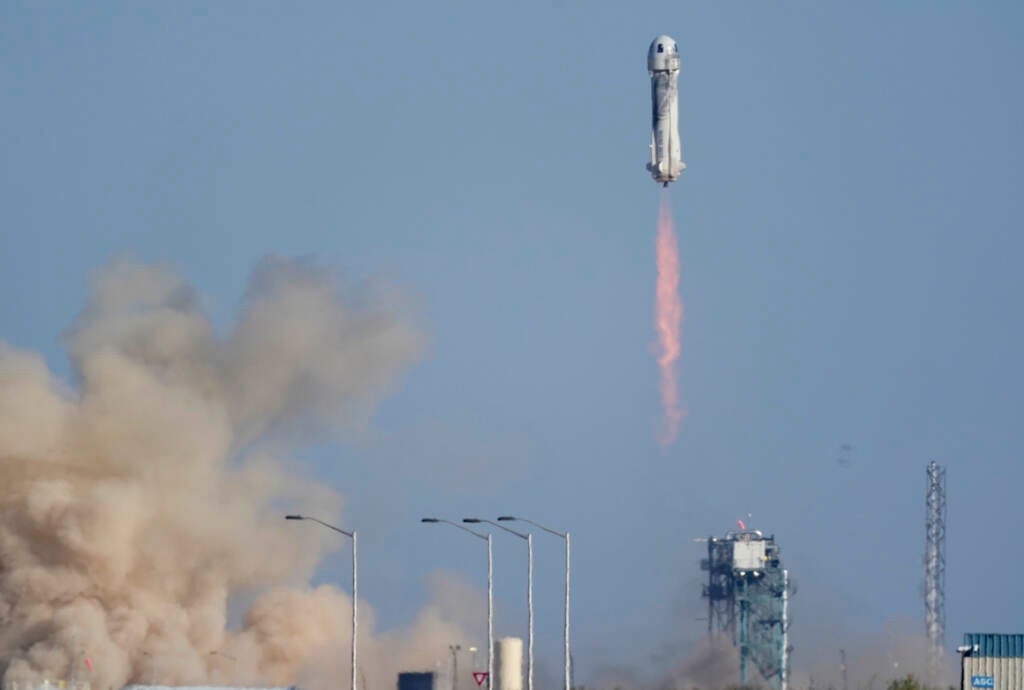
point(748, 599)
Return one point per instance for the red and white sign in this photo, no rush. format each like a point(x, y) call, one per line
point(480, 677)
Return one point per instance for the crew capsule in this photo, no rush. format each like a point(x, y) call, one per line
point(663, 55)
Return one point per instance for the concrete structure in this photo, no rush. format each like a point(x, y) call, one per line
point(508, 663)
point(992, 661)
point(748, 594)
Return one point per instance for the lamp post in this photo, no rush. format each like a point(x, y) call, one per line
point(454, 649)
point(565, 537)
point(529, 591)
point(490, 593)
point(355, 581)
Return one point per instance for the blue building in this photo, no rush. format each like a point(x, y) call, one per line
point(417, 681)
point(992, 661)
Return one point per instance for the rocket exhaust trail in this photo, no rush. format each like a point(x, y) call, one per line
point(668, 319)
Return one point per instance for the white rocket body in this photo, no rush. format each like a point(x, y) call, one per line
point(666, 153)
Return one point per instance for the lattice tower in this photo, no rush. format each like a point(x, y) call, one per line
point(935, 562)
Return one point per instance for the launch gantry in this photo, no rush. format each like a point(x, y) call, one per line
point(748, 599)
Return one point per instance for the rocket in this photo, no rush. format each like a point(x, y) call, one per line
point(666, 155)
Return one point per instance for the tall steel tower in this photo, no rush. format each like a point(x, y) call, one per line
point(935, 563)
point(748, 599)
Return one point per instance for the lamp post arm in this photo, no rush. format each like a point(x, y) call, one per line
point(479, 535)
point(519, 534)
point(537, 525)
point(328, 526)
point(319, 522)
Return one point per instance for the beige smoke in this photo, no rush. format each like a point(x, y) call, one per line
point(137, 501)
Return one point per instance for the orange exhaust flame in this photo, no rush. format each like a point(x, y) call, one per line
point(668, 320)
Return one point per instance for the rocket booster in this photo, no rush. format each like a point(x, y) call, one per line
point(666, 154)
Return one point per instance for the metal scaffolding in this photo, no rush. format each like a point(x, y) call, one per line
point(748, 599)
point(935, 564)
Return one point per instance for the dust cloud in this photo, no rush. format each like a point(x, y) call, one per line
point(142, 497)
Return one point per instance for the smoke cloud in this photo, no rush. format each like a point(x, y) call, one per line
point(137, 502)
point(711, 664)
point(873, 658)
point(873, 661)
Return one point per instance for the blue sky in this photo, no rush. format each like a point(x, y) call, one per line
point(850, 253)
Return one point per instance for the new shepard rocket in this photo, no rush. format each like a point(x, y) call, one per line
point(666, 156)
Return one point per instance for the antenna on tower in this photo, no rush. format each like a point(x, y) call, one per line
point(935, 565)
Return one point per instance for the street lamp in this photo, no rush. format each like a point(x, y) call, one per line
point(454, 649)
point(490, 593)
point(529, 591)
point(355, 580)
point(565, 537)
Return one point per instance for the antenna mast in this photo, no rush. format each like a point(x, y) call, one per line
point(935, 565)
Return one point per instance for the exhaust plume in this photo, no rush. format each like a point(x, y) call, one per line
point(668, 318)
point(139, 504)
